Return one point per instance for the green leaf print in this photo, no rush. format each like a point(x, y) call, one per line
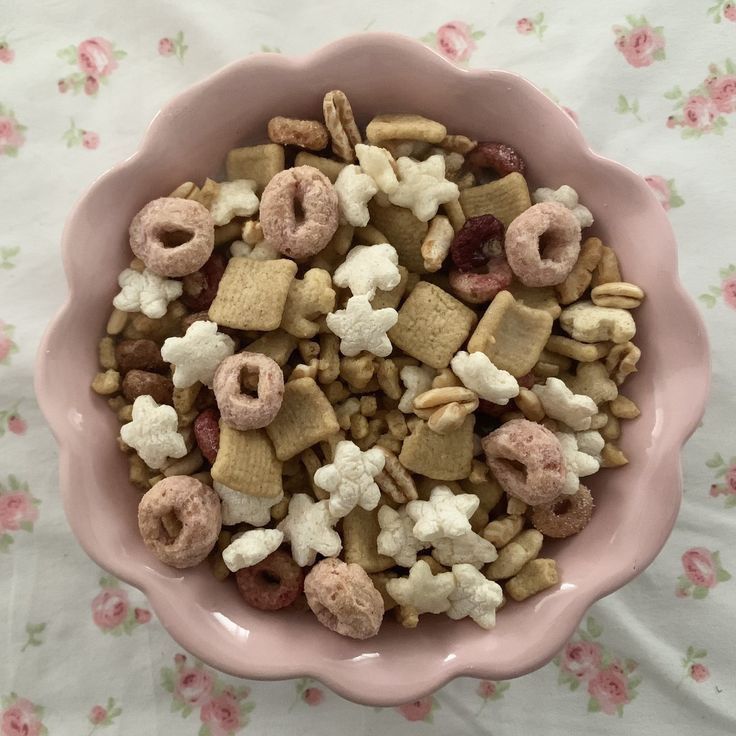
point(716, 461)
point(593, 627)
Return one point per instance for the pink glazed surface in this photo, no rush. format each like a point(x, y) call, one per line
point(636, 506)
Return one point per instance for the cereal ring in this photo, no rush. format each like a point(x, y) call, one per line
point(480, 286)
point(179, 520)
point(207, 433)
point(273, 583)
point(543, 244)
point(534, 447)
point(500, 157)
point(172, 217)
point(305, 236)
point(564, 516)
point(237, 408)
point(200, 287)
point(344, 599)
point(479, 240)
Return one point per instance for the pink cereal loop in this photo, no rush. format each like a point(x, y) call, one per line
point(183, 501)
point(308, 235)
point(237, 408)
point(549, 227)
point(169, 215)
point(534, 447)
point(565, 516)
point(344, 599)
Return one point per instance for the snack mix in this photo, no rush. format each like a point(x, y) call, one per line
point(372, 381)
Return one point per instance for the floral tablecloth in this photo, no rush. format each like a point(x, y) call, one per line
point(650, 84)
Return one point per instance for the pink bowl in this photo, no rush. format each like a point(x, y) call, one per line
point(636, 505)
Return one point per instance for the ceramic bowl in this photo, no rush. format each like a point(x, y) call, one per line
point(636, 506)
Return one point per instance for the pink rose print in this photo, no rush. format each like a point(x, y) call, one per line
point(11, 139)
point(100, 716)
point(18, 510)
point(173, 46)
point(223, 709)
point(535, 25)
point(703, 572)
point(665, 191)
point(727, 290)
point(489, 690)
point(6, 53)
point(21, 717)
point(96, 58)
point(221, 714)
point(723, 9)
point(455, 40)
point(313, 696)
point(704, 109)
point(608, 690)
point(194, 686)
point(581, 659)
point(486, 689)
point(17, 425)
point(142, 615)
point(419, 710)
point(111, 609)
point(75, 136)
point(611, 683)
point(640, 44)
point(699, 672)
point(10, 418)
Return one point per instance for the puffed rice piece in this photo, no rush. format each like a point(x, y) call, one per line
point(153, 432)
point(195, 356)
point(417, 380)
point(474, 596)
point(309, 528)
point(444, 515)
point(369, 267)
point(423, 187)
point(360, 327)
point(240, 507)
point(422, 591)
point(479, 374)
point(586, 322)
point(396, 538)
point(261, 251)
point(354, 190)
point(234, 199)
point(567, 196)
point(377, 163)
point(470, 549)
point(590, 442)
point(146, 292)
point(577, 464)
point(349, 478)
point(575, 410)
point(249, 548)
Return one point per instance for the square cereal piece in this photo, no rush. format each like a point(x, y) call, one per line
point(504, 198)
point(260, 163)
point(305, 418)
point(439, 456)
point(246, 462)
point(360, 530)
point(391, 298)
point(331, 169)
point(404, 231)
point(432, 325)
point(252, 294)
point(277, 345)
point(511, 335)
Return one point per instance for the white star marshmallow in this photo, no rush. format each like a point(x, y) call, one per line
point(360, 327)
point(444, 515)
point(423, 591)
point(474, 596)
point(354, 190)
point(423, 187)
point(308, 527)
point(146, 292)
point(369, 267)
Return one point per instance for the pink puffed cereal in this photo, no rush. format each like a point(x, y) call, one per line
point(307, 235)
point(237, 408)
point(179, 520)
point(537, 450)
point(543, 244)
point(344, 599)
point(173, 216)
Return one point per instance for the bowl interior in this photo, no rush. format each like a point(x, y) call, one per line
point(635, 506)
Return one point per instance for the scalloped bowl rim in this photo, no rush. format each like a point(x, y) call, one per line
point(386, 691)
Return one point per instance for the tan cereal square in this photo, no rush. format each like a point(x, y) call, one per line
point(404, 231)
point(246, 462)
point(305, 418)
point(432, 325)
point(511, 335)
point(252, 294)
point(260, 163)
point(277, 345)
point(360, 530)
point(439, 456)
point(504, 198)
